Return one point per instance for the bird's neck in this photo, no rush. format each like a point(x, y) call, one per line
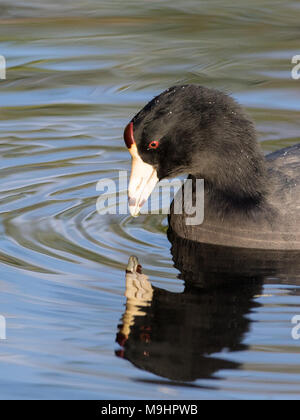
point(240, 188)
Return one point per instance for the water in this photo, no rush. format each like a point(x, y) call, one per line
point(77, 72)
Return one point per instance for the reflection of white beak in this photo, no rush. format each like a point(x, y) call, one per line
point(142, 182)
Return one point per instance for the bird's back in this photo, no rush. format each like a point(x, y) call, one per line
point(284, 170)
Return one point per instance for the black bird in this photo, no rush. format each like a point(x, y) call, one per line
point(177, 335)
point(251, 201)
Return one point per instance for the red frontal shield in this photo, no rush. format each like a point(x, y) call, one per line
point(128, 135)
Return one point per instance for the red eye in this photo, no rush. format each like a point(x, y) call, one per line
point(153, 145)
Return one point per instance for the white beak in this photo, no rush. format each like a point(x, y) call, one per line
point(143, 180)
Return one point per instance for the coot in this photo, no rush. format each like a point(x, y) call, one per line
point(251, 201)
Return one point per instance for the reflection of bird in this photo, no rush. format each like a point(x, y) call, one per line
point(174, 335)
point(139, 294)
point(250, 202)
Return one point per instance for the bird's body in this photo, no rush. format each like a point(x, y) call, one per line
point(274, 224)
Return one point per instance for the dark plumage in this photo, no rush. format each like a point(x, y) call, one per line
point(250, 201)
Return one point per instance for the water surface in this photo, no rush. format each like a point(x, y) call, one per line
point(76, 74)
